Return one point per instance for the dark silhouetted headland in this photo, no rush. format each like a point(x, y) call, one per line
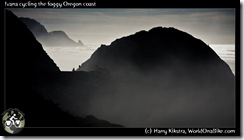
point(168, 78)
point(49, 39)
point(32, 76)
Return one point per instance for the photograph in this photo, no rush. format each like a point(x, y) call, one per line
point(91, 69)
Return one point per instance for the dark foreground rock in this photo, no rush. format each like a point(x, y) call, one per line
point(32, 76)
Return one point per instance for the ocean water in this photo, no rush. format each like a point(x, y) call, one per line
point(68, 58)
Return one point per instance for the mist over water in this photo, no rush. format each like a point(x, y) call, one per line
point(68, 58)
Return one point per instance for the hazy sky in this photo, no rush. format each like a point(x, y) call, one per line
point(102, 26)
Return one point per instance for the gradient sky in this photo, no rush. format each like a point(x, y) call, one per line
point(102, 26)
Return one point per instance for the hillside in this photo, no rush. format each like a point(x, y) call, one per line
point(49, 39)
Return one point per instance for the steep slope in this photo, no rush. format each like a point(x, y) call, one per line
point(164, 77)
point(25, 53)
point(35, 27)
point(49, 39)
point(31, 76)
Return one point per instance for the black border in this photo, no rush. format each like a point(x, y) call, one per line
point(141, 131)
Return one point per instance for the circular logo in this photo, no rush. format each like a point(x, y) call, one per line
point(13, 121)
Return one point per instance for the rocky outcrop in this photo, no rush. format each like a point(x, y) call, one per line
point(168, 78)
point(80, 43)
